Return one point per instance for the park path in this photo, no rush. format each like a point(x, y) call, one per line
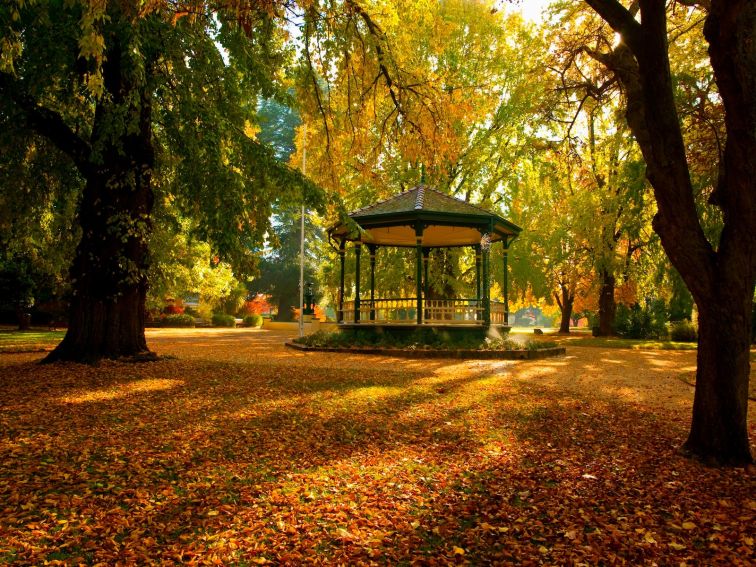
point(655, 378)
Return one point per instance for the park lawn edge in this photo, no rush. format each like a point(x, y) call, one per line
point(522, 354)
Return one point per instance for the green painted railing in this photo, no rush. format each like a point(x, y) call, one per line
point(403, 310)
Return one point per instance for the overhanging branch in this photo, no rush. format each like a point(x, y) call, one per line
point(620, 19)
point(47, 123)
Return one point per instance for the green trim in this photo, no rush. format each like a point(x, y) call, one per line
point(477, 271)
point(486, 286)
point(505, 253)
point(372, 249)
point(452, 219)
point(426, 261)
point(419, 270)
point(342, 253)
point(358, 253)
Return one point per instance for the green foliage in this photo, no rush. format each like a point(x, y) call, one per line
point(235, 299)
point(177, 320)
point(205, 311)
point(419, 339)
point(278, 123)
point(38, 192)
point(203, 77)
point(508, 343)
point(680, 301)
point(638, 322)
point(220, 174)
point(279, 269)
point(253, 321)
point(223, 320)
point(683, 331)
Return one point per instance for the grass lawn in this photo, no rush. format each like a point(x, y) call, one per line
point(241, 452)
point(39, 339)
point(582, 337)
point(12, 340)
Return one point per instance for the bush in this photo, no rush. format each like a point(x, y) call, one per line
point(253, 321)
point(223, 320)
point(640, 323)
point(417, 340)
point(683, 331)
point(173, 309)
point(177, 320)
point(256, 306)
point(205, 311)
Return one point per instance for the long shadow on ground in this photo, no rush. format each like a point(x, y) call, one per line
point(263, 461)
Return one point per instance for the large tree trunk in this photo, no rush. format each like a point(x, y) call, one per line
point(565, 302)
point(719, 430)
point(107, 313)
point(286, 306)
point(607, 306)
point(109, 272)
point(24, 319)
point(722, 280)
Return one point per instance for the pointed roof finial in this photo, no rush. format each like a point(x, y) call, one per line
point(422, 174)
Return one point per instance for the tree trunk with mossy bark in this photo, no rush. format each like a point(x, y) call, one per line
point(721, 280)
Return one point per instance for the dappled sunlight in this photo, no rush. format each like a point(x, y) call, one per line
point(121, 391)
point(538, 371)
point(475, 366)
point(659, 363)
point(519, 339)
point(371, 393)
point(340, 456)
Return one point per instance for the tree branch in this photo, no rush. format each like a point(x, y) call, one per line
point(47, 123)
point(391, 85)
point(316, 88)
point(704, 4)
point(620, 19)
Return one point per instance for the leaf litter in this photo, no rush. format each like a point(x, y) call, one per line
point(239, 451)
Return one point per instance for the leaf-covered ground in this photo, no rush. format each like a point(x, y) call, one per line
point(241, 452)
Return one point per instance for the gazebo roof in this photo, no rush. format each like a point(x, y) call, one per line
point(446, 221)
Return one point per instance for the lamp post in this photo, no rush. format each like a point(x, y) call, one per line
point(302, 238)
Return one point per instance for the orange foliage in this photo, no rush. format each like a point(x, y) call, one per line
point(588, 302)
point(256, 306)
point(319, 313)
point(627, 293)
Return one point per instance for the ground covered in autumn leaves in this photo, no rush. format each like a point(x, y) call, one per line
point(239, 451)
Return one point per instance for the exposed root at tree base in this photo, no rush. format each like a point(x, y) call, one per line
point(93, 359)
point(716, 461)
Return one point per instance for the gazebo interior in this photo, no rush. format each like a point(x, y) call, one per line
point(423, 218)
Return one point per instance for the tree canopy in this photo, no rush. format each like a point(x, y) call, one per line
point(152, 107)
